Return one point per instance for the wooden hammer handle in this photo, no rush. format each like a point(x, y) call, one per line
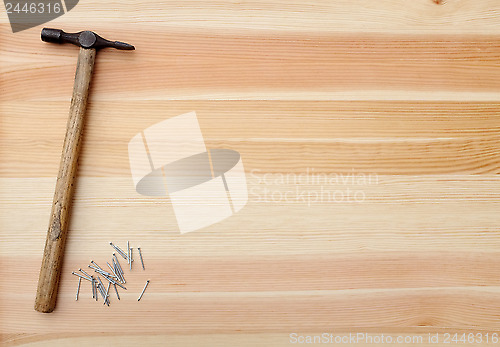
point(50, 272)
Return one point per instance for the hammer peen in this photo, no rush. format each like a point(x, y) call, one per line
point(50, 272)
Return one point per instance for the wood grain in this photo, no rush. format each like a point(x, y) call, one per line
point(272, 66)
point(385, 137)
point(405, 91)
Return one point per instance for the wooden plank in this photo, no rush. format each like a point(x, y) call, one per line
point(414, 16)
point(379, 137)
point(171, 65)
point(405, 90)
point(433, 213)
point(222, 312)
point(238, 339)
point(348, 272)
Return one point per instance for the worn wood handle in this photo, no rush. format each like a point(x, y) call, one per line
point(50, 272)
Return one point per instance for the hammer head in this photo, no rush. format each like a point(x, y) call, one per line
point(85, 39)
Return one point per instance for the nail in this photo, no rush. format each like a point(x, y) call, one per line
point(97, 288)
point(122, 280)
point(107, 293)
point(100, 282)
point(115, 269)
point(94, 290)
point(100, 271)
point(118, 284)
point(113, 281)
point(120, 268)
point(100, 286)
point(122, 275)
point(81, 276)
point(107, 276)
point(128, 252)
point(115, 259)
point(130, 263)
point(122, 252)
point(147, 282)
point(93, 262)
point(140, 256)
point(112, 270)
point(78, 290)
point(84, 272)
point(119, 250)
point(116, 290)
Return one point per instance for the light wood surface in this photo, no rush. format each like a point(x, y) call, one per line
point(405, 91)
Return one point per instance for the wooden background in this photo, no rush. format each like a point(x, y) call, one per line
point(407, 90)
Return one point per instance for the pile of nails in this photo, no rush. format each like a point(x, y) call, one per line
point(115, 276)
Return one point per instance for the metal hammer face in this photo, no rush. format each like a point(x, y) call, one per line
point(85, 39)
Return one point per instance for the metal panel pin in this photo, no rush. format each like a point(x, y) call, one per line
point(94, 288)
point(78, 290)
point(100, 287)
point(128, 252)
point(115, 270)
point(112, 270)
point(107, 293)
point(113, 281)
point(84, 272)
point(130, 264)
point(116, 290)
point(119, 250)
point(147, 282)
point(122, 280)
point(140, 256)
point(100, 282)
point(93, 262)
point(81, 276)
point(100, 271)
point(119, 267)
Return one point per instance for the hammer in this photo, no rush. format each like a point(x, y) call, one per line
point(50, 272)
